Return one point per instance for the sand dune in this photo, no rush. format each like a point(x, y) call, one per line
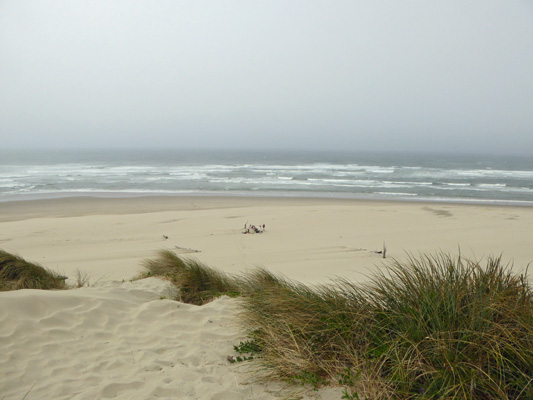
point(120, 341)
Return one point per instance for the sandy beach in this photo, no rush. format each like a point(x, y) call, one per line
point(126, 340)
point(307, 239)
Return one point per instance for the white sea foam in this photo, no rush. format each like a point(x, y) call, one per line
point(397, 194)
point(457, 184)
point(492, 185)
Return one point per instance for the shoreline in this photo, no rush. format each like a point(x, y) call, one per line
point(83, 204)
point(261, 195)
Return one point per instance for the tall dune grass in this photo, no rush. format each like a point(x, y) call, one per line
point(450, 328)
point(17, 273)
point(434, 327)
point(198, 283)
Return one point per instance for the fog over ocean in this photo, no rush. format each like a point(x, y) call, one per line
point(436, 177)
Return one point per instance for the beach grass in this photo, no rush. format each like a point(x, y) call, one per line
point(433, 327)
point(17, 273)
point(451, 328)
point(197, 283)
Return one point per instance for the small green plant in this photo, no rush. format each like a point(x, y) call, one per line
point(233, 359)
point(247, 350)
point(248, 346)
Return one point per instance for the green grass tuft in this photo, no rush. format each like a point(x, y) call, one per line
point(17, 273)
point(198, 283)
point(450, 328)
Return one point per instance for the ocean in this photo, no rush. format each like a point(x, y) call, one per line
point(28, 174)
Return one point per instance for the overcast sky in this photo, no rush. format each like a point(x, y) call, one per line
point(449, 75)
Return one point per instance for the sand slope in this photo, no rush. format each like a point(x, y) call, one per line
point(121, 341)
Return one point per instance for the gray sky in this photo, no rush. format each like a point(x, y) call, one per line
point(444, 75)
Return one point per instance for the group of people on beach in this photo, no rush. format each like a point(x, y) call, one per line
point(253, 229)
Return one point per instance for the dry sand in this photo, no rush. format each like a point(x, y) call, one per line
point(118, 339)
